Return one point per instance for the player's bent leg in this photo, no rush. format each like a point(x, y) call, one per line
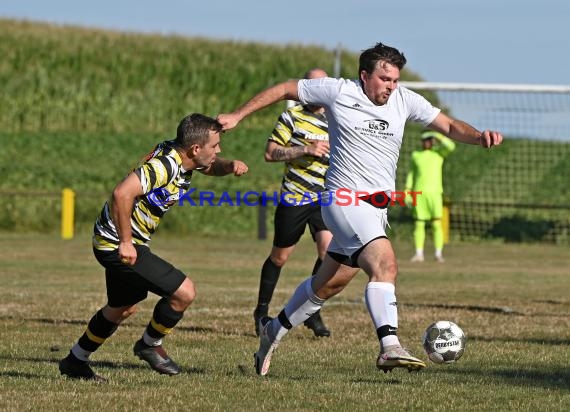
point(332, 277)
point(118, 315)
point(379, 262)
point(183, 296)
point(326, 287)
point(167, 313)
point(302, 304)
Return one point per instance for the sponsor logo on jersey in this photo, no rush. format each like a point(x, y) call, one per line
point(377, 124)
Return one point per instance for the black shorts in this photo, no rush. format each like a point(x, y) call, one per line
point(128, 285)
point(290, 223)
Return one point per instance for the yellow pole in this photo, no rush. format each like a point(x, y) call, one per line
point(445, 224)
point(67, 213)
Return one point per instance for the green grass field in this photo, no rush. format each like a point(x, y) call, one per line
point(511, 300)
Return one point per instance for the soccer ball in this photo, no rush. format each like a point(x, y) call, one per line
point(444, 342)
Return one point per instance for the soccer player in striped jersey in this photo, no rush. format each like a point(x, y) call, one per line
point(120, 244)
point(366, 118)
point(425, 177)
point(301, 140)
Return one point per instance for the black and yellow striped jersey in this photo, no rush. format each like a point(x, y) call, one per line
point(163, 181)
point(304, 176)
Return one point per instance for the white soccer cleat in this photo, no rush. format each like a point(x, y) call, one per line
point(395, 356)
point(440, 259)
point(266, 347)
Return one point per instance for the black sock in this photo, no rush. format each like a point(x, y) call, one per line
point(269, 276)
point(98, 330)
point(164, 319)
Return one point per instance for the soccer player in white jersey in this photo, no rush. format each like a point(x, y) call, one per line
point(366, 125)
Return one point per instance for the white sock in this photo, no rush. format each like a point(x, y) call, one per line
point(150, 341)
point(381, 303)
point(300, 307)
point(438, 253)
point(80, 353)
point(419, 252)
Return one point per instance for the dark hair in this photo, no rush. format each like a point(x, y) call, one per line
point(194, 129)
point(380, 52)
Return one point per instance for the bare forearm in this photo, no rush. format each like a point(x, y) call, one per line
point(281, 91)
point(220, 167)
point(283, 154)
point(464, 132)
point(223, 167)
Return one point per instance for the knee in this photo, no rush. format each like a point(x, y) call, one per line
point(279, 259)
point(184, 296)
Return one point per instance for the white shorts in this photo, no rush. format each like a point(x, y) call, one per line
point(353, 225)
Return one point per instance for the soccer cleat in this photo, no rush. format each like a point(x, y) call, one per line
point(316, 324)
point(266, 347)
point(417, 259)
point(156, 357)
point(259, 312)
point(439, 259)
point(76, 370)
point(397, 357)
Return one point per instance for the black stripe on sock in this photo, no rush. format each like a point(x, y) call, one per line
point(386, 330)
point(283, 320)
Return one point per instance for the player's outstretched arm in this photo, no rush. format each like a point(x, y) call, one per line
point(274, 152)
point(463, 132)
point(282, 91)
point(223, 167)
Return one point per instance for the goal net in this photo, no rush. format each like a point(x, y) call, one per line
point(519, 191)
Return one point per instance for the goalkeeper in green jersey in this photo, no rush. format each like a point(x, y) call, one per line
point(425, 176)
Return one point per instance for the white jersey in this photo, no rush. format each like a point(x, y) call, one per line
point(365, 139)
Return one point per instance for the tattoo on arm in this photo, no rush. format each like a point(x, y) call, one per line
point(289, 153)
